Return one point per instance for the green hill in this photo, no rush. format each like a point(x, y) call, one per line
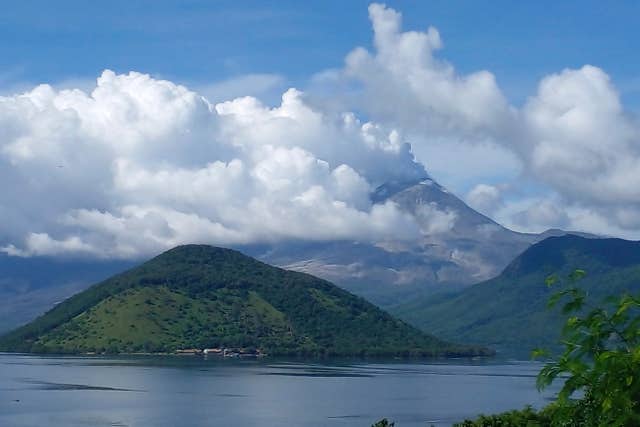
point(511, 310)
point(201, 296)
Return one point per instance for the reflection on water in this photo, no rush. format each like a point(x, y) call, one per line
point(44, 385)
point(186, 391)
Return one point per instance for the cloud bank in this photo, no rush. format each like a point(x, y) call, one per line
point(138, 164)
point(141, 164)
point(572, 137)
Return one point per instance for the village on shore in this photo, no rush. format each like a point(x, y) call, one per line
point(221, 352)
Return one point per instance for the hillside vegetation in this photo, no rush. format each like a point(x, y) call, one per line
point(201, 296)
point(599, 366)
point(511, 309)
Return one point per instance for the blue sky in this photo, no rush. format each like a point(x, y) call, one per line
point(528, 111)
point(206, 41)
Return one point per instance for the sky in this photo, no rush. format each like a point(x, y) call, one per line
point(133, 126)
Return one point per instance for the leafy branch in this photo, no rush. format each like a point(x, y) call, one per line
point(600, 364)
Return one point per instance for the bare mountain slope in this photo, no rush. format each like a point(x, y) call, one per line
point(458, 246)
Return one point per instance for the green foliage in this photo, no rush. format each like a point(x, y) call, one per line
point(599, 367)
point(600, 363)
point(487, 312)
point(527, 417)
point(158, 319)
point(200, 296)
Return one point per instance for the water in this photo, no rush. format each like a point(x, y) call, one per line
point(188, 391)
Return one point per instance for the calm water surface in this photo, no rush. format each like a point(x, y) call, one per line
point(174, 391)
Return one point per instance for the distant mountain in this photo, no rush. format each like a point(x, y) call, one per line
point(511, 309)
point(472, 248)
point(200, 296)
point(469, 249)
point(30, 286)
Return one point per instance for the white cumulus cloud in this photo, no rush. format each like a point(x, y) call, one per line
point(141, 164)
point(581, 140)
point(136, 164)
point(408, 84)
point(572, 137)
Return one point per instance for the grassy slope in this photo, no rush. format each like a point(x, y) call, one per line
point(511, 310)
point(200, 296)
point(154, 318)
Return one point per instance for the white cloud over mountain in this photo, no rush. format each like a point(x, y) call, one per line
point(485, 198)
point(572, 136)
point(139, 164)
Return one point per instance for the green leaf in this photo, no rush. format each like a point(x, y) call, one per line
point(574, 305)
point(624, 307)
point(572, 321)
point(577, 275)
point(553, 299)
point(538, 353)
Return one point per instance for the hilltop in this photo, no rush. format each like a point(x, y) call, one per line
point(511, 309)
point(202, 296)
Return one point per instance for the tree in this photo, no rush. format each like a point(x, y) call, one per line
point(600, 362)
point(600, 365)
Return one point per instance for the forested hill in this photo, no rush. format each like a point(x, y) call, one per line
point(511, 309)
point(199, 296)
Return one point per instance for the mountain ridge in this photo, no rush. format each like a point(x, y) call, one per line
point(510, 310)
point(474, 249)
